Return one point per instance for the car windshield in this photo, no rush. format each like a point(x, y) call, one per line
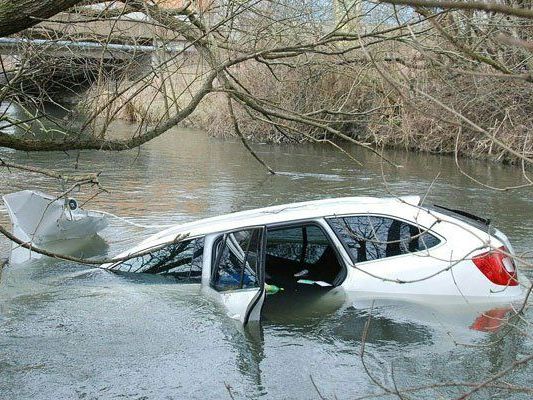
point(181, 260)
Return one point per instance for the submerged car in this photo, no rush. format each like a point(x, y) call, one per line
point(380, 247)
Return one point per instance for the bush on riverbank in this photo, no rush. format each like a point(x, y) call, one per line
point(356, 100)
point(149, 100)
point(380, 115)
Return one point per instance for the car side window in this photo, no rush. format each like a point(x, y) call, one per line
point(285, 243)
point(305, 243)
point(373, 237)
point(237, 260)
point(181, 260)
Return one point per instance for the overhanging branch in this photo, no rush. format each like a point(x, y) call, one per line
point(469, 5)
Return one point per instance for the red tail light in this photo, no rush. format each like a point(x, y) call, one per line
point(498, 267)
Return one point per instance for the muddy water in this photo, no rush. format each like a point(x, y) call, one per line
point(76, 332)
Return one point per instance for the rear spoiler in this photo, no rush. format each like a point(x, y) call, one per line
point(484, 221)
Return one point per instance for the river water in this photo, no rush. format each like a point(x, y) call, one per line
point(69, 331)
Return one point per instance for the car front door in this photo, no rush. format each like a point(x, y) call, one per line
point(237, 272)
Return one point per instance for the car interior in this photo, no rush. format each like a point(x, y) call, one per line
point(301, 256)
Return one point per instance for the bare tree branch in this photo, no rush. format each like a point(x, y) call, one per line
point(468, 5)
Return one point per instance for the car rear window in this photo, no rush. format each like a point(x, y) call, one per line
point(369, 238)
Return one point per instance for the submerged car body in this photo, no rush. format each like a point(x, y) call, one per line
point(380, 247)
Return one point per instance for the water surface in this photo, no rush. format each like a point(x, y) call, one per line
point(77, 332)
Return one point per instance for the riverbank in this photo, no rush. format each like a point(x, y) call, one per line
point(437, 113)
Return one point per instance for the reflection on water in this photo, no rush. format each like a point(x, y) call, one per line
point(493, 320)
point(383, 329)
point(75, 332)
point(303, 307)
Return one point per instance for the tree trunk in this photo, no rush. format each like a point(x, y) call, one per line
point(17, 15)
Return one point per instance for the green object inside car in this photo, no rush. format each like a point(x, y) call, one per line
point(272, 289)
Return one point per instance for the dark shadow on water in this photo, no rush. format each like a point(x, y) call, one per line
point(303, 307)
point(350, 327)
point(249, 345)
point(327, 312)
point(331, 316)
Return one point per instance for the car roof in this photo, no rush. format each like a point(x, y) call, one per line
point(288, 212)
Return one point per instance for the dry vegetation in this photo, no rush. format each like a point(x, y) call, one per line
point(425, 78)
point(357, 100)
point(382, 84)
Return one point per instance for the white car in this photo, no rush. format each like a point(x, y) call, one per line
point(373, 247)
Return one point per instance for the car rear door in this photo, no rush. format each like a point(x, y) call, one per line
point(237, 272)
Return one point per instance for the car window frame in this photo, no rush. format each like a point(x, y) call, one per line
point(442, 240)
point(305, 239)
point(331, 239)
point(219, 237)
